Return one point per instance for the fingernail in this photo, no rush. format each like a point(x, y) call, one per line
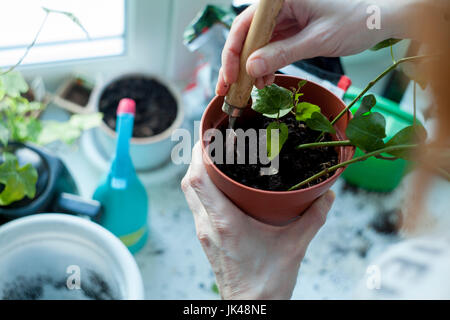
point(258, 67)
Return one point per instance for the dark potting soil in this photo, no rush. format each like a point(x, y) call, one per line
point(294, 165)
point(156, 107)
point(78, 93)
point(43, 287)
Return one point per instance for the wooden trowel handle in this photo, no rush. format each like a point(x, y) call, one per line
point(259, 35)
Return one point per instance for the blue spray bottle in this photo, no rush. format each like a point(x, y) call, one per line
point(123, 197)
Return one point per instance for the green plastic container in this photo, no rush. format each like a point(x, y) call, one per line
point(376, 174)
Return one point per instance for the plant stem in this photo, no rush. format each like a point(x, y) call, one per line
point(325, 144)
point(31, 45)
point(357, 159)
point(371, 84)
point(392, 54)
point(414, 103)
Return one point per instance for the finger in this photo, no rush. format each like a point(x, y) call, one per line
point(279, 54)
point(221, 87)
point(233, 46)
point(214, 201)
point(259, 83)
point(313, 218)
point(192, 199)
point(268, 80)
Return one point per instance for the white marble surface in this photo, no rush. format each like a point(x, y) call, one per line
point(174, 266)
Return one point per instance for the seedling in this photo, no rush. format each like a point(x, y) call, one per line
point(366, 130)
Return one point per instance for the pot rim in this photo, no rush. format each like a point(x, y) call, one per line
point(268, 192)
point(112, 246)
point(98, 90)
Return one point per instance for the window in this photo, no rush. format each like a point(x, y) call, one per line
point(60, 39)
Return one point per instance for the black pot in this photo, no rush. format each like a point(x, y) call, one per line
point(56, 191)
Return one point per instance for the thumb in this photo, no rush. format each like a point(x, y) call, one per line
point(279, 54)
point(312, 219)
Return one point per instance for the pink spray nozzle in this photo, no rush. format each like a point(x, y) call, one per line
point(126, 105)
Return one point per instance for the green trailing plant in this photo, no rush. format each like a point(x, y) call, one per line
point(367, 129)
point(19, 123)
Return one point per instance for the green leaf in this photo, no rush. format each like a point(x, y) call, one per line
point(19, 181)
point(214, 288)
point(4, 134)
point(300, 85)
point(367, 131)
point(385, 43)
point(319, 122)
point(305, 110)
point(408, 135)
point(282, 114)
point(367, 103)
point(86, 121)
point(69, 131)
point(271, 99)
point(273, 151)
point(24, 106)
point(13, 84)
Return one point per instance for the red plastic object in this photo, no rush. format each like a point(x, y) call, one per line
point(126, 105)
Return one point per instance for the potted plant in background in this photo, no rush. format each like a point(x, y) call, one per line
point(158, 113)
point(317, 136)
point(32, 180)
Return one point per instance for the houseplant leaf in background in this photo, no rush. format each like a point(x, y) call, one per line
point(68, 131)
point(13, 84)
point(19, 181)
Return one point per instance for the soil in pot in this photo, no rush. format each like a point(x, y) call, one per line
point(294, 165)
point(78, 93)
point(46, 287)
point(156, 107)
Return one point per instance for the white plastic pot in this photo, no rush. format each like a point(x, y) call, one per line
point(56, 256)
point(146, 153)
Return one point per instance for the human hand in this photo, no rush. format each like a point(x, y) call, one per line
point(305, 29)
point(251, 260)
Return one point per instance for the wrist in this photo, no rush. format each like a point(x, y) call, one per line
point(276, 281)
point(403, 18)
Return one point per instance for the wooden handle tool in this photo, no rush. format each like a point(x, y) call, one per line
point(259, 35)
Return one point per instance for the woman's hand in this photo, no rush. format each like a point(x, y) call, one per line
point(307, 29)
point(251, 260)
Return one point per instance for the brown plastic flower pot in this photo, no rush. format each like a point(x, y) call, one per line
point(277, 207)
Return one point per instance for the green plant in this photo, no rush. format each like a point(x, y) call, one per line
point(366, 130)
point(276, 102)
point(19, 123)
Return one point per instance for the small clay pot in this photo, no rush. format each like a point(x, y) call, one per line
point(277, 207)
